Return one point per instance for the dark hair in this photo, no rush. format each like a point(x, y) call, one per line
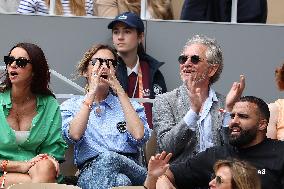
point(262, 106)
point(40, 70)
point(140, 48)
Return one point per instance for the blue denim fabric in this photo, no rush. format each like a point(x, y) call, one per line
point(110, 169)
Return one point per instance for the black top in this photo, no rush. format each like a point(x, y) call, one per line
point(267, 157)
point(157, 82)
point(249, 11)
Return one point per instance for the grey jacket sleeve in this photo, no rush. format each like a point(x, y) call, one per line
point(173, 134)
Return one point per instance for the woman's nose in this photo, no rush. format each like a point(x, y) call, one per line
point(13, 64)
point(212, 183)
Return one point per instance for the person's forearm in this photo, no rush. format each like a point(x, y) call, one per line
point(79, 123)
point(14, 167)
point(150, 182)
point(165, 181)
point(134, 125)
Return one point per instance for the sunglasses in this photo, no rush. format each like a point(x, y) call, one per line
point(194, 59)
point(20, 62)
point(218, 179)
point(107, 61)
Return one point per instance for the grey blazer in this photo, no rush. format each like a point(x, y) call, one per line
point(173, 135)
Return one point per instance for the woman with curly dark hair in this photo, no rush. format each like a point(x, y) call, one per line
point(31, 143)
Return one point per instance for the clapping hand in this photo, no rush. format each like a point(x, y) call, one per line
point(235, 93)
point(194, 93)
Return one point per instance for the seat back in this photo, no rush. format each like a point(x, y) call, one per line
point(150, 147)
point(67, 168)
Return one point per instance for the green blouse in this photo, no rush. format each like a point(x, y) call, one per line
point(45, 132)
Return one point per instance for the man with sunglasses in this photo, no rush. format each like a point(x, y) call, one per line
point(248, 142)
point(188, 120)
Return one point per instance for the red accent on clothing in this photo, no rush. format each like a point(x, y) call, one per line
point(132, 79)
point(146, 89)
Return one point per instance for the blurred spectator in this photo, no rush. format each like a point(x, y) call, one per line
point(9, 6)
point(275, 128)
point(112, 8)
point(159, 9)
point(62, 7)
point(252, 11)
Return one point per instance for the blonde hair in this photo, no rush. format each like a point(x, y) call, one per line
point(244, 175)
point(130, 6)
point(77, 7)
point(160, 9)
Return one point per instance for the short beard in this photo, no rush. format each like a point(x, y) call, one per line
point(245, 137)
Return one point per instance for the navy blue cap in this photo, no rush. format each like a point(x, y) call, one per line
point(130, 19)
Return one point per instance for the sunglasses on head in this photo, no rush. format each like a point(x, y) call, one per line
point(107, 61)
point(194, 59)
point(20, 62)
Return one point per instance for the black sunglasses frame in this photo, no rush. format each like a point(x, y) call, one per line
point(194, 59)
point(102, 60)
point(20, 62)
point(219, 180)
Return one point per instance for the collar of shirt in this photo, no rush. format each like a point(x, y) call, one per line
point(6, 100)
point(208, 103)
point(135, 69)
point(109, 101)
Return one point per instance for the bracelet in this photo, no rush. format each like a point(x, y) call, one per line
point(88, 104)
point(4, 164)
point(3, 180)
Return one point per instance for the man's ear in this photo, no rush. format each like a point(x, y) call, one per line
point(263, 125)
point(213, 69)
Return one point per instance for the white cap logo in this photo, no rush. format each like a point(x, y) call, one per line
point(122, 17)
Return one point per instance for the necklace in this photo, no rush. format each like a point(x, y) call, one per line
point(22, 102)
point(22, 107)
